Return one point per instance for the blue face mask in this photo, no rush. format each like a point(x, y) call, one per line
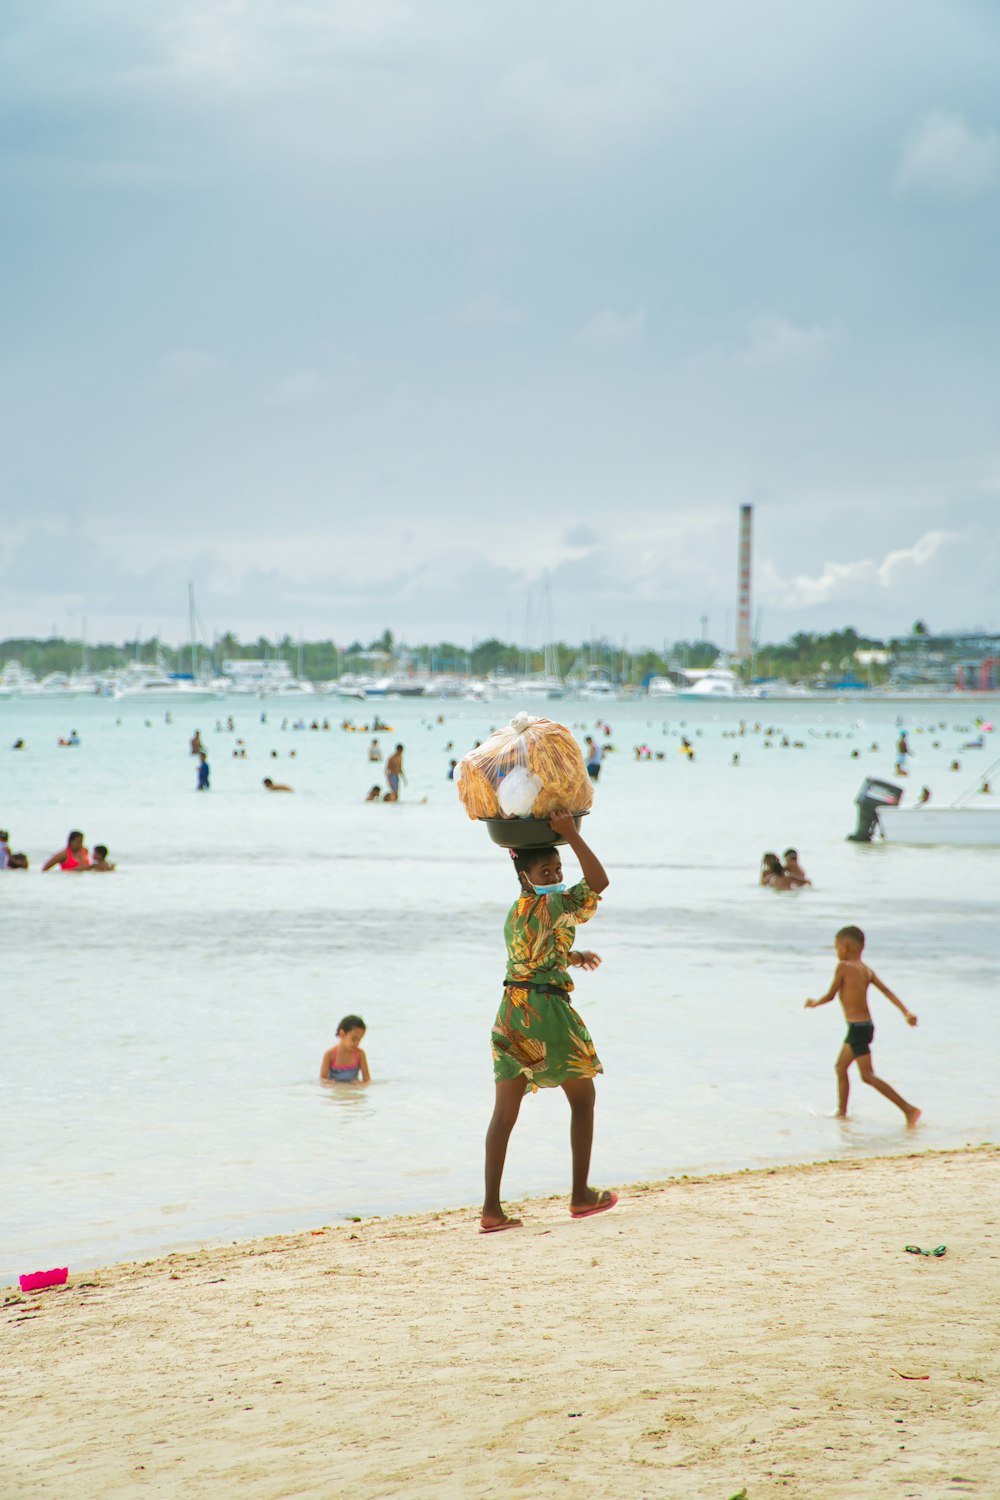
point(549, 890)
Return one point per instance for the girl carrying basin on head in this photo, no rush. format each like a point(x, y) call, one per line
point(539, 1040)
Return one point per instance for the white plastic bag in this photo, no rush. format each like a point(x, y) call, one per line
point(517, 792)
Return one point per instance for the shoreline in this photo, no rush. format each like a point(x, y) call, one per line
point(91, 1263)
point(762, 1329)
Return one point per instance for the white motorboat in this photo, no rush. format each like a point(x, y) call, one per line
point(598, 687)
point(15, 679)
point(661, 687)
point(972, 826)
point(295, 687)
point(397, 685)
point(965, 823)
point(538, 685)
point(64, 685)
point(503, 684)
point(712, 682)
point(350, 685)
point(151, 685)
point(271, 678)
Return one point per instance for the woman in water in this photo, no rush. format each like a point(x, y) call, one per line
point(73, 857)
point(539, 1041)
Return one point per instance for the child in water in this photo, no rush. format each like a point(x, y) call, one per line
point(772, 873)
point(539, 1041)
point(794, 870)
point(345, 1062)
point(851, 981)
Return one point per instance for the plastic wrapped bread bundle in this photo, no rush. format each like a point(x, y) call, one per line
point(533, 768)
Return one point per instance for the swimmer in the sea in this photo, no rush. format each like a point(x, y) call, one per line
point(772, 873)
point(345, 1062)
point(394, 774)
point(794, 870)
point(73, 857)
point(277, 786)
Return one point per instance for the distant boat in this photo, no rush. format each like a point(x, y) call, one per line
point(661, 687)
point(15, 679)
point(538, 685)
point(350, 685)
point(598, 687)
point(265, 678)
point(397, 685)
point(150, 685)
point(718, 681)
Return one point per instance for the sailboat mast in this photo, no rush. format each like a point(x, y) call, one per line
point(192, 635)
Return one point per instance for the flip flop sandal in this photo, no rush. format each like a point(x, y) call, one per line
point(916, 1250)
point(605, 1201)
point(498, 1228)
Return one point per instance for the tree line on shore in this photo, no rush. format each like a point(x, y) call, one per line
point(804, 655)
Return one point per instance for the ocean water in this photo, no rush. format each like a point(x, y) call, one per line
point(163, 1027)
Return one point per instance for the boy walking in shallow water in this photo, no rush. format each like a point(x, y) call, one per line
point(850, 982)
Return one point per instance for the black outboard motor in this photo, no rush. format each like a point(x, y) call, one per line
point(873, 795)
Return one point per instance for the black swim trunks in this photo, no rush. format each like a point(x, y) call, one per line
point(859, 1037)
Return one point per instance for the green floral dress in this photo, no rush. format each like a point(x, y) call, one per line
point(537, 1033)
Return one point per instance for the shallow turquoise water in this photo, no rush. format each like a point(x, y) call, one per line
point(163, 1027)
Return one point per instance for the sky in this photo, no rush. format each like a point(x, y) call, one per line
point(467, 319)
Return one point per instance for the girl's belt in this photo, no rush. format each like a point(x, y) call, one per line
point(544, 989)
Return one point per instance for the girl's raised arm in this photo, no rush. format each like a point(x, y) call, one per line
point(594, 872)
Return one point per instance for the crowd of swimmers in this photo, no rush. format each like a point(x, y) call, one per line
point(74, 856)
point(393, 768)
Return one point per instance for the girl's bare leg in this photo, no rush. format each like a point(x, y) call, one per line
point(868, 1076)
point(505, 1112)
point(844, 1060)
point(582, 1096)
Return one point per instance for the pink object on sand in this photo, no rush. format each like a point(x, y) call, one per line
point(39, 1279)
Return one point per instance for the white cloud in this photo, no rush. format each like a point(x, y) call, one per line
point(946, 156)
point(183, 369)
point(612, 330)
point(603, 114)
point(846, 580)
point(489, 311)
point(248, 46)
point(299, 388)
point(775, 341)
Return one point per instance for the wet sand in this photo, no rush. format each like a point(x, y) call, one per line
point(763, 1332)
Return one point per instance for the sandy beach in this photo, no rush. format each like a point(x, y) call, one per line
point(763, 1332)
